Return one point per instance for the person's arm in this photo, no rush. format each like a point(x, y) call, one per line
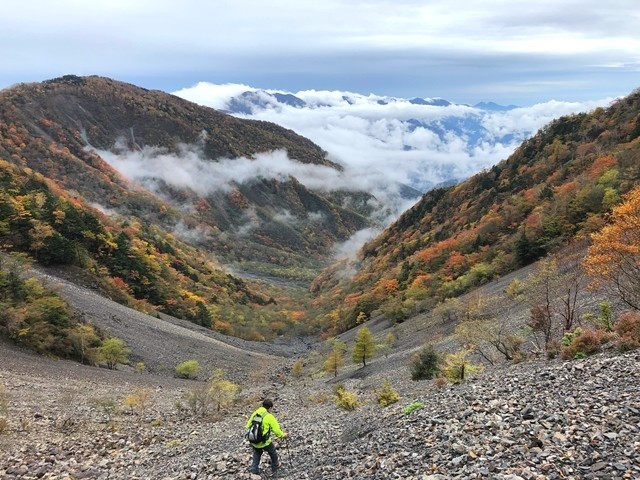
point(275, 427)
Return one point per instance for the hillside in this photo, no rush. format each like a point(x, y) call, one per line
point(527, 418)
point(220, 183)
point(133, 263)
point(556, 188)
point(535, 420)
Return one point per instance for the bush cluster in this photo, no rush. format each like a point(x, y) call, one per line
point(426, 364)
point(188, 369)
point(581, 343)
point(346, 400)
point(628, 330)
point(387, 394)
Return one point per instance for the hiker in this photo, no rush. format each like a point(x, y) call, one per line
point(269, 425)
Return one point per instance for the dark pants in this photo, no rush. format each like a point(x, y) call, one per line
point(257, 454)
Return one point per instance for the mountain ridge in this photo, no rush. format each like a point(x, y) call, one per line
point(556, 188)
point(73, 113)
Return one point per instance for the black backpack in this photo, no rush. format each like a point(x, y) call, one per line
point(256, 433)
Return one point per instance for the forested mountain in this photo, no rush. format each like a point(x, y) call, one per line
point(208, 178)
point(557, 187)
point(142, 240)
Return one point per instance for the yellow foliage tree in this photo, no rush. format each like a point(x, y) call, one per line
point(335, 360)
point(613, 259)
point(365, 346)
point(222, 391)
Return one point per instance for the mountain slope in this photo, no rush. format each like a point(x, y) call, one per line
point(66, 128)
point(531, 420)
point(556, 187)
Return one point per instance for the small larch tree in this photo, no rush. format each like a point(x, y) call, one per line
point(365, 346)
point(297, 369)
point(335, 360)
point(222, 390)
point(83, 336)
point(426, 364)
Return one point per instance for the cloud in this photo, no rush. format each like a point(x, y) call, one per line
point(504, 50)
point(382, 143)
point(348, 248)
point(387, 140)
point(196, 234)
point(188, 168)
point(105, 210)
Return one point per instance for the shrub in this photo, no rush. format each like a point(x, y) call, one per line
point(628, 330)
point(188, 369)
point(141, 399)
point(141, 367)
point(113, 351)
point(346, 400)
point(4, 409)
point(4, 425)
point(605, 319)
point(109, 408)
point(580, 343)
point(199, 400)
point(553, 348)
point(218, 393)
point(319, 398)
point(222, 391)
point(297, 370)
point(440, 381)
point(426, 364)
point(4, 400)
point(410, 408)
point(25, 424)
point(387, 394)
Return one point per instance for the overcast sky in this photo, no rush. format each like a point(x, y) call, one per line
point(508, 51)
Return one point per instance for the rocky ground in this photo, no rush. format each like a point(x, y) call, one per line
point(536, 420)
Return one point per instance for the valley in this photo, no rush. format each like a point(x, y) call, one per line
point(516, 277)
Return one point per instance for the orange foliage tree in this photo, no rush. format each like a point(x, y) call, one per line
point(613, 259)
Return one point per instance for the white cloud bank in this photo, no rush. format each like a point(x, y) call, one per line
point(382, 142)
point(394, 139)
point(189, 169)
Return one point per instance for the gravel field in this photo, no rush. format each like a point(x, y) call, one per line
point(534, 421)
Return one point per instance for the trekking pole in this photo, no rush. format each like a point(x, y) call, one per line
point(286, 444)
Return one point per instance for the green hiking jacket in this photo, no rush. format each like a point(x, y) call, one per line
point(269, 424)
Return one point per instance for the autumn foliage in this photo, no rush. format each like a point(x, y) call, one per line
point(557, 187)
point(614, 257)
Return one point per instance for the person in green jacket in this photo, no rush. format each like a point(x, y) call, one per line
point(269, 425)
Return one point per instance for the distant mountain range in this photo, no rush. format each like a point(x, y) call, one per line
point(252, 101)
point(468, 125)
point(419, 142)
